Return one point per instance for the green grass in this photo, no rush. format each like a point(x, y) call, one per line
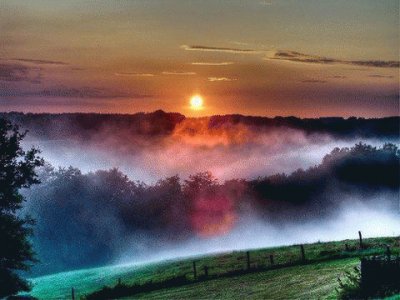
point(313, 281)
point(317, 279)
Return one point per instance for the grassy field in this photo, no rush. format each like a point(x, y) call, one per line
point(315, 280)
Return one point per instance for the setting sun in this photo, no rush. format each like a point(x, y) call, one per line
point(196, 102)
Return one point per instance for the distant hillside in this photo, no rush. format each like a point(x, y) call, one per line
point(159, 123)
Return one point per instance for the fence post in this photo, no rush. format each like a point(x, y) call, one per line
point(361, 241)
point(73, 293)
point(303, 254)
point(271, 259)
point(205, 271)
point(248, 260)
point(194, 270)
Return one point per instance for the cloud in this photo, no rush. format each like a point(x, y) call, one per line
point(178, 73)
point(13, 72)
point(380, 76)
point(393, 97)
point(224, 63)
point(22, 69)
point(17, 72)
point(313, 81)
point(376, 63)
point(40, 61)
point(68, 92)
point(293, 56)
point(240, 43)
point(213, 79)
point(219, 49)
point(266, 3)
point(128, 74)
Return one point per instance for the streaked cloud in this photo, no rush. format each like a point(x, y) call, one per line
point(213, 79)
point(266, 2)
point(395, 97)
point(41, 61)
point(13, 72)
point(219, 49)
point(380, 76)
point(19, 72)
point(240, 43)
point(178, 73)
point(129, 74)
point(313, 81)
point(73, 92)
point(223, 63)
point(293, 56)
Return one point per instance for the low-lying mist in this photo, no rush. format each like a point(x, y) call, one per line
point(155, 186)
point(102, 217)
point(194, 145)
point(252, 233)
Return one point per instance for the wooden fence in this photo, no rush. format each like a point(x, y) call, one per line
point(375, 271)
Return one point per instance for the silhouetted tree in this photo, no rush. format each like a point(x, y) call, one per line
point(17, 170)
point(363, 171)
point(200, 184)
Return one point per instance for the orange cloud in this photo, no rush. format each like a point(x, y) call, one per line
point(219, 49)
point(224, 63)
point(178, 73)
point(134, 74)
point(213, 79)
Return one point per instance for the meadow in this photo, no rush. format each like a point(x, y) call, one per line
point(288, 277)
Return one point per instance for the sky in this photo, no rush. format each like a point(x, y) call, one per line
point(307, 58)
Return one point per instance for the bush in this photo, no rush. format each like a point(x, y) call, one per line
point(350, 287)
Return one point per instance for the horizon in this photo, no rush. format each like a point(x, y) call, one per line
point(199, 117)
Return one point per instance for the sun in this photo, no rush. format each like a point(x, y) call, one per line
point(196, 102)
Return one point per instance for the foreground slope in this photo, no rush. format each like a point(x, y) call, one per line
point(313, 281)
point(293, 279)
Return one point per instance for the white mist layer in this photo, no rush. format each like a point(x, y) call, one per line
point(265, 153)
point(252, 233)
point(269, 155)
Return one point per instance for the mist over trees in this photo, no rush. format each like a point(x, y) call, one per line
point(86, 219)
point(84, 126)
point(152, 146)
point(360, 170)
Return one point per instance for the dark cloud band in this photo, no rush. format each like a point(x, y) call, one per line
point(67, 92)
point(41, 61)
point(294, 56)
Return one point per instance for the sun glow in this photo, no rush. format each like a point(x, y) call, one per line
point(196, 102)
